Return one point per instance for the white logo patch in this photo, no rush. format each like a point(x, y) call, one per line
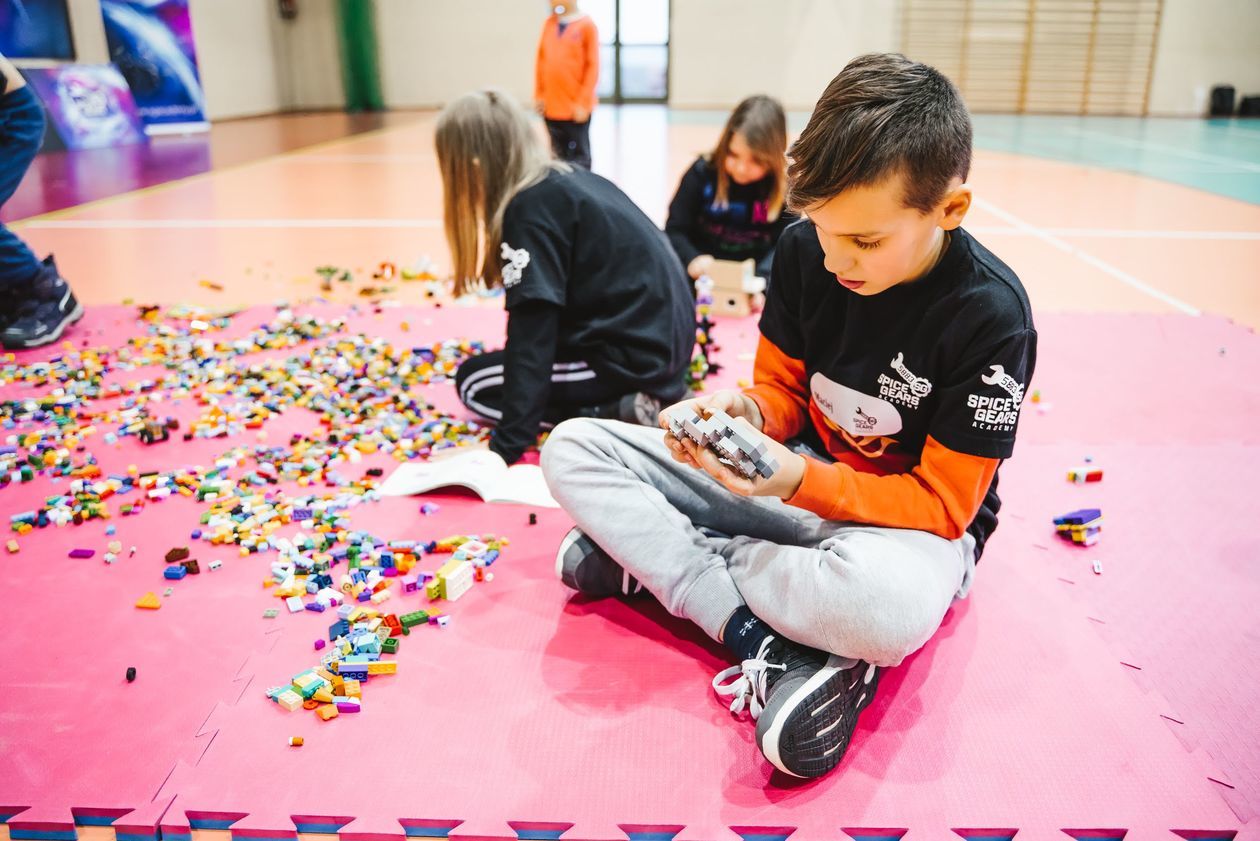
point(516, 261)
point(997, 414)
point(999, 377)
point(856, 413)
point(907, 391)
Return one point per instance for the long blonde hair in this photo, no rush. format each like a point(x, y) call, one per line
point(760, 119)
point(487, 152)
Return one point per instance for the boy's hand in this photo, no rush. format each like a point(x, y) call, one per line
point(784, 483)
point(730, 400)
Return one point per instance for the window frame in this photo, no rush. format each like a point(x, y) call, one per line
point(617, 97)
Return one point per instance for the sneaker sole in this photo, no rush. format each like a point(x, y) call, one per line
point(819, 718)
point(74, 315)
point(571, 537)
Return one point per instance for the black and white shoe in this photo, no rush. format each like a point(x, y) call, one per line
point(584, 567)
point(639, 408)
point(806, 703)
point(45, 308)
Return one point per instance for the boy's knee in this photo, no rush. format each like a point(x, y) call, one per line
point(882, 641)
point(567, 442)
point(883, 627)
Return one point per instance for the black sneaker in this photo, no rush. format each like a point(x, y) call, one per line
point(45, 309)
point(806, 703)
point(584, 567)
point(640, 408)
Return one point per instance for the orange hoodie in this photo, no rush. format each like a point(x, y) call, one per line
point(567, 68)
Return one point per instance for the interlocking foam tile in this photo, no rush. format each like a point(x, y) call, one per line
point(193, 656)
point(536, 715)
point(1177, 591)
point(597, 714)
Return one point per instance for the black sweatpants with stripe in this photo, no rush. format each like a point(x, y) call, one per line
point(576, 390)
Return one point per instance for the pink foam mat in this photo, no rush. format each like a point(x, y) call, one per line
point(535, 714)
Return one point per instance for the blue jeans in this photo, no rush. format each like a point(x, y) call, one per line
point(21, 135)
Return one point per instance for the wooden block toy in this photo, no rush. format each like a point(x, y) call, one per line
point(733, 285)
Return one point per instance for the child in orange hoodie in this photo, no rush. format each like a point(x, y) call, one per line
point(565, 78)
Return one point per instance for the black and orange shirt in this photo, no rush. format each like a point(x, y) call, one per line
point(915, 392)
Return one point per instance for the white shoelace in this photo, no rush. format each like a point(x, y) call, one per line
point(748, 689)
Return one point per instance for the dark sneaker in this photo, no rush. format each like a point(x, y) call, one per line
point(806, 703)
point(45, 309)
point(584, 567)
point(640, 408)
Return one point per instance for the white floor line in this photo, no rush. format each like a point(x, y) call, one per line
point(1168, 150)
point(223, 224)
point(1101, 265)
point(1119, 233)
point(351, 158)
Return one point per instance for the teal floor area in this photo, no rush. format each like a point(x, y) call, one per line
point(1218, 156)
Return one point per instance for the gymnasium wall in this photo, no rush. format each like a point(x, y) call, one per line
point(431, 51)
point(252, 62)
point(236, 56)
point(1204, 43)
point(724, 50)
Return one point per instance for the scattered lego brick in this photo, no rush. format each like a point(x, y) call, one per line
point(1082, 527)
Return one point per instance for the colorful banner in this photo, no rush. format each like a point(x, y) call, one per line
point(151, 41)
point(89, 105)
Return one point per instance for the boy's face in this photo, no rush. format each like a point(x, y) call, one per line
point(873, 242)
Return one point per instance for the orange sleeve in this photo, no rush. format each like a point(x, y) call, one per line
point(590, 73)
point(940, 495)
point(779, 391)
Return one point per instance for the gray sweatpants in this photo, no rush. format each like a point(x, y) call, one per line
point(877, 594)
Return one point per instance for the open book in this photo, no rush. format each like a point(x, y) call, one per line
point(481, 471)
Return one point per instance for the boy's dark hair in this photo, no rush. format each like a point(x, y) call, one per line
point(884, 114)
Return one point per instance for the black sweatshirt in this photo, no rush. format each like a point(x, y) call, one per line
point(589, 278)
point(735, 232)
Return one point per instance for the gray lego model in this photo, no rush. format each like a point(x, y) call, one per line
point(744, 453)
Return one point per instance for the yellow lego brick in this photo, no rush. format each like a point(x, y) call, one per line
point(304, 680)
point(352, 688)
point(326, 712)
point(383, 667)
point(290, 700)
point(448, 568)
